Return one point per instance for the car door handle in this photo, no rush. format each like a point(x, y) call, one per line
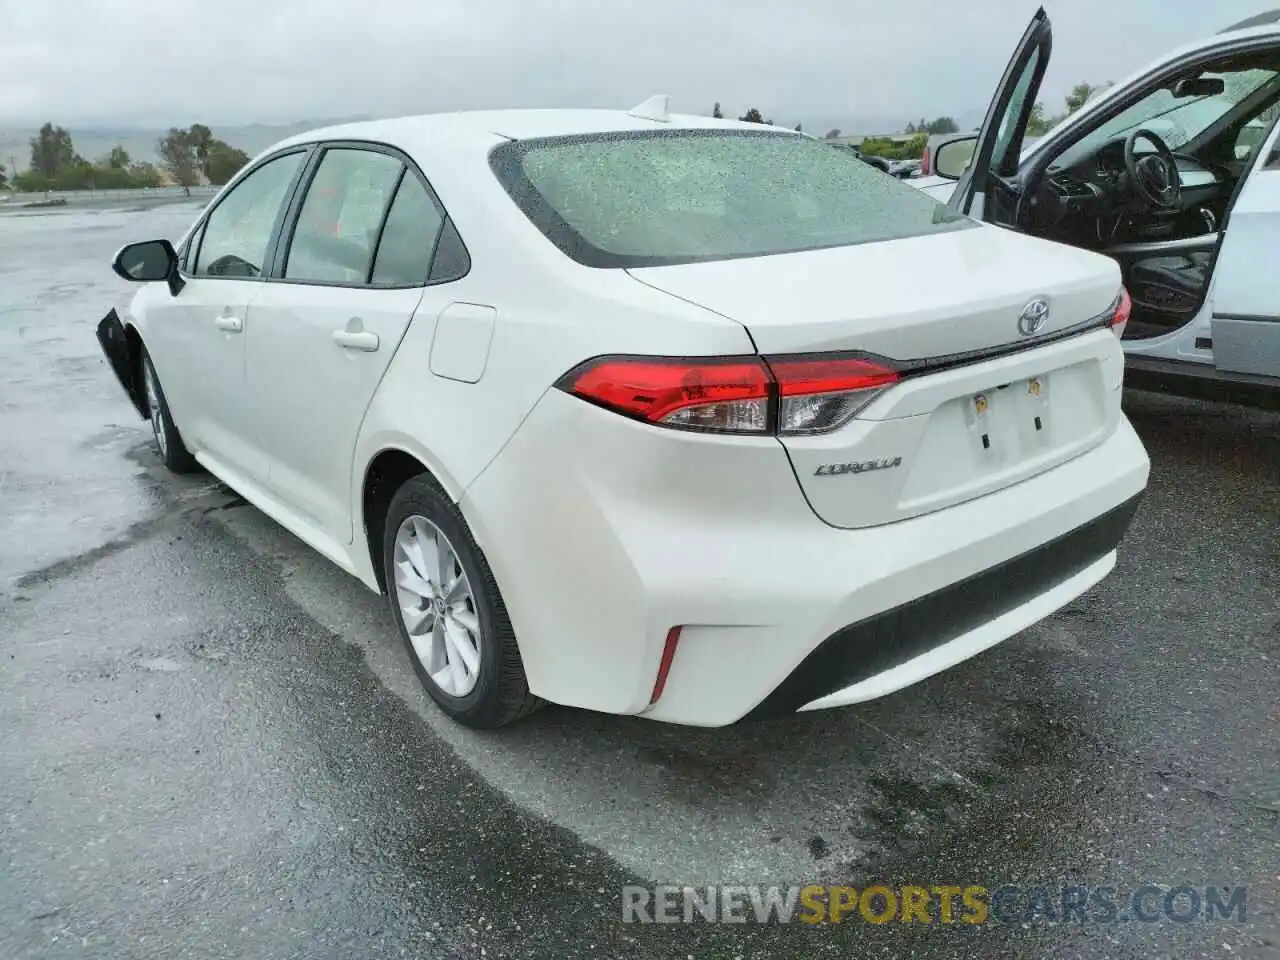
point(230, 324)
point(356, 340)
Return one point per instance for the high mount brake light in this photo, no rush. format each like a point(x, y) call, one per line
point(753, 395)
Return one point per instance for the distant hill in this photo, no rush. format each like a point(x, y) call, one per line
point(94, 142)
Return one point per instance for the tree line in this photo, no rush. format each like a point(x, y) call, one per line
point(892, 148)
point(188, 154)
point(751, 116)
point(185, 154)
point(1041, 122)
point(55, 165)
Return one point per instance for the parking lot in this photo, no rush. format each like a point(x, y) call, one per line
point(213, 745)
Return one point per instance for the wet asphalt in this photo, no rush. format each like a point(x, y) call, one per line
point(211, 743)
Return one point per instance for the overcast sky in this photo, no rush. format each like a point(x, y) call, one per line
point(823, 62)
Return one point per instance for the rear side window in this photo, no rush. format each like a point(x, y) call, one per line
point(667, 197)
point(452, 260)
point(409, 237)
point(339, 220)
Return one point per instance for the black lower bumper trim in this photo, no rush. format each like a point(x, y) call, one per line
point(884, 641)
point(1201, 382)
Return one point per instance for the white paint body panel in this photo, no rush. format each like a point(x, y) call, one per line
point(1245, 298)
point(460, 349)
point(919, 297)
point(205, 381)
point(603, 532)
point(646, 534)
point(311, 392)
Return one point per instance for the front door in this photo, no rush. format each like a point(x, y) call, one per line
point(326, 326)
point(1245, 326)
point(999, 144)
point(198, 338)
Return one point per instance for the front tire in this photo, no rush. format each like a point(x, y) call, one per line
point(449, 611)
point(173, 452)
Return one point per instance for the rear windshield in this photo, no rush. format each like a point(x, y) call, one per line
point(656, 198)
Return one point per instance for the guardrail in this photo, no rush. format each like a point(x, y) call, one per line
point(137, 193)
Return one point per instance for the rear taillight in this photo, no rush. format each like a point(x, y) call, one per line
point(1123, 307)
point(784, 395)
point(818, 394)
point(925, 163)
point(729, 394)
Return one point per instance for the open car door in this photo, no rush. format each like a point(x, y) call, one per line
point(982, 191)
point(1246, 298)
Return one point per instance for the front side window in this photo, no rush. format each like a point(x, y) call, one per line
point(1009, 123)
point(338, 224)
point(238, 231)
point(649, 199)
point(189, 249)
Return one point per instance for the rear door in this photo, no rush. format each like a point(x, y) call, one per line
point(350, 274)
point(1000, 139)
point(1245, 296)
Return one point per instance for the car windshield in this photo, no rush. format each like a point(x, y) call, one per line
point(1176, 120)
point(651, 199)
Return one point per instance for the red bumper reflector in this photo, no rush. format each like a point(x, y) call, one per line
point(664, 666)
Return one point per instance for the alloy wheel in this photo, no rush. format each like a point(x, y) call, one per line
point(437, 606)
point(153, 408)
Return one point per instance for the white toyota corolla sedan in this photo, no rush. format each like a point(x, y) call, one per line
point(643, 413)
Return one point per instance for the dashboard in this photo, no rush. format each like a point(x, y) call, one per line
point(1094, 198)
point(1107, 168)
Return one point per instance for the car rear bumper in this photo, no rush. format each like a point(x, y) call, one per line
point(604, 534)
point(893, 649)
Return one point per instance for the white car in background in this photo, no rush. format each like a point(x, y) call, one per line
point(1174, 173)
point(584, 393)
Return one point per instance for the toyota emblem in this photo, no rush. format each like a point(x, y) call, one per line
point(1034, 317)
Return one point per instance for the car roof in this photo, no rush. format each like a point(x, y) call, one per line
point(1270, 18)
point(510, 125)
point(450, 147)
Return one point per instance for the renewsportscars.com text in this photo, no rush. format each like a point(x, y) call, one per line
point(933, 904)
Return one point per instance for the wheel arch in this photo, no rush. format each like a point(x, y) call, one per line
point(384, 474)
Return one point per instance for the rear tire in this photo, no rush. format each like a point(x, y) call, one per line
point(449, 611)
point(173, 451)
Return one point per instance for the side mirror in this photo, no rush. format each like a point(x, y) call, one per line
point(952, 158)
point(147, 262)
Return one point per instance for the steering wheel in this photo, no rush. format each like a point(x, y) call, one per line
point(1155, 175)
point(230, 265)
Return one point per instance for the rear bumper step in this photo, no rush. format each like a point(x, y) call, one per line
point(872, 646)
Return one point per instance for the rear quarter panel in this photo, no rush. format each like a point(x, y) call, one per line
point(550, 315)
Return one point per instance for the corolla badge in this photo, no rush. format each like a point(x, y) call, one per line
point(840, 469)
point(1034, 317)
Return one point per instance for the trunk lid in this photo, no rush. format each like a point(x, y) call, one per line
point(909, 299)
point(1009, 407)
